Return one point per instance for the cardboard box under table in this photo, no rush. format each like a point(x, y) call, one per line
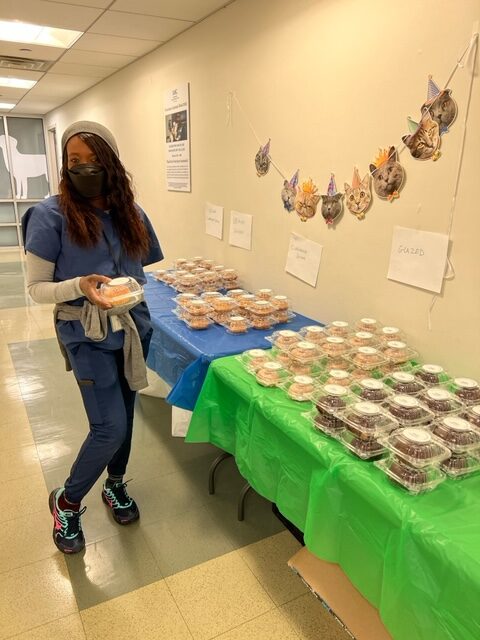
point(415, 558)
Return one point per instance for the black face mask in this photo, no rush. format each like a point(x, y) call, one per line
point(88, 179)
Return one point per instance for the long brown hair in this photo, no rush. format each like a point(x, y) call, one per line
point(83, 225)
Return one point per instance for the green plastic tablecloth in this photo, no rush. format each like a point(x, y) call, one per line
point(416, 558)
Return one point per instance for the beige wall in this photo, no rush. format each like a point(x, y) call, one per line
point(330, 82)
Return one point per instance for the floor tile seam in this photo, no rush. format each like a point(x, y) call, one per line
point(44, 624)
point(219, 637)
point(172, 595)
point(55, 554)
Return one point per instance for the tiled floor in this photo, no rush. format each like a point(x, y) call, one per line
point(188, 569)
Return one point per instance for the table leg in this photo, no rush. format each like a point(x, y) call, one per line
point(241, 502)
point(213, 468)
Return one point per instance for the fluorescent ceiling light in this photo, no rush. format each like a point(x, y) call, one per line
point(14, 31)
point(17, 83)
point(7, 105)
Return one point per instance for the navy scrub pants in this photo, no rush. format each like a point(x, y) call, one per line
point(109, 404)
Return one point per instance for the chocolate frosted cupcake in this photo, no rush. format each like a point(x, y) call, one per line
point(416, 446)
point(372, 390)
point(440, 401)
point(331, 398)
point(404, 383)
point(457, 434)
point(430, 374)
point(467, 389)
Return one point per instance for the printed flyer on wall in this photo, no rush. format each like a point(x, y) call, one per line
point(177, 138)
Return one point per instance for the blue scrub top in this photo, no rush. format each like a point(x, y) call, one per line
point(45, 235)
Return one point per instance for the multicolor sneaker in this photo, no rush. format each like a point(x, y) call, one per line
point(124, 509)
point(67, 530)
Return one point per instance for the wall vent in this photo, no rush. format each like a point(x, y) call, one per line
point(24, 64)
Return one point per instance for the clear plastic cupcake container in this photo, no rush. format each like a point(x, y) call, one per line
point(271, 374)
point(284, 339)
point(371, 390)
point(169, 278)
point(408, 410)
point(283, 316)
point(338, 328)
point(467, 389)
point(254, 359)
point(398, 352)
point(199, 308)
point(417, 446)
point(304, 351)
point(236, 293)
point(386, 334)
point(219, 268)
point(299, 388)
point(122, 293)
point(325, 422)
point(197, 260)
point(264, 294)
point(459, 466)
point(332, 398)
point(189, 265)
point(472, 414)
point(236, 325)
point(184, 299)
point(459, 435)
point(313, 369)
point(198, 271)
point(314, 333)
point(197, 323)
point(404, 383)
point(337, 376)
point(261, 307)
point(179, 262)
point(210, 280)
point(371, 325)
point(229, 275)
point(362, 339)
point(207, 263)
point(413, 479)
point(280, 303)
point(431, 374)
point(363, 448)
point(366, 358)
point(245, 301)
point(221, 317)
point(262, 323)
point(209, 295)
point(335, 346)
point(367, 420)
point(441, 401)
point(223, 304)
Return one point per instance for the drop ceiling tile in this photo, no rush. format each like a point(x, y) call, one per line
point(99, 4)
point(61, 86)
point(96, 58)
point(36, 52)
point(9, 94)
point(23, 75)
point(185, 10)
point(87, 70)
point(37, 106)
point(113, 44)
point(134, 25)
point(51, 14)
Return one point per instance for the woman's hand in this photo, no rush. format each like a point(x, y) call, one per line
point(89, 286)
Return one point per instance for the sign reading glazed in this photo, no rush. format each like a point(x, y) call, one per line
point(177, 138)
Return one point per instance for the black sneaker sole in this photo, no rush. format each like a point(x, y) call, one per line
point(118, 519)
point(65, 550)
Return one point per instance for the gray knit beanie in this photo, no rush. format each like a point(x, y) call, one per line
point(85, 126)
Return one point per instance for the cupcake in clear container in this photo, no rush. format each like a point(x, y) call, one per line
point(397, 352)
point(122, 293)
point(461, 465)
point(364, 448)
point(367, 358)
point(237, 324)
point(431, 374)
point(472, 414)
point(271, 374)
point(314, 333)
point(387, 334)
point(371, 390)
point(362, 339)
point(223, 304)
point(467, 389)
point(254, 359)
point(284, 339)
point(457, 434)
point(338, 328)
point(198, 322)
point(413, 479)
point(367, 420)
point(408, 410)
point(299, 388)
point(417, 446)
point(199, 308)
point(404, 383)
point(264, 294)
point(441, 401)
point(371, 325)
point(337, 376)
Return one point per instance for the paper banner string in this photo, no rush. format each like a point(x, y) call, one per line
point(473, 49)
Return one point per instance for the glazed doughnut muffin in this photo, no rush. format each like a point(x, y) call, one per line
point(281, 303)
point(285, 339)
point(303, 351)
point(270, 374)
point(338, 328)
point(368, 324)
point(362, 339)
point(301, 388)
point(237, 324)
point(314, 334)
point(264, 294)
point(367, 358)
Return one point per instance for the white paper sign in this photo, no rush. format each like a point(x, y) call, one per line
point(241, 230)
point(418, 258)
point(303, 259)
point(214, 220)
point(177, 138)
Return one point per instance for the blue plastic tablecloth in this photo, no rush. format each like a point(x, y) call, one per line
point(182, 356)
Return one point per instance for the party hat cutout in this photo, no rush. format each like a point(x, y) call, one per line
point(432, 90)
point(356, 179)
point(412, 125)
point(266, 148)
point(332, 187)
point(294, 181)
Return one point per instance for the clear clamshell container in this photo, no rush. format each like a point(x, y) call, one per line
point(179, 263)
point(122, 293)
point(197, 322)
point(159, 274)
point(314, 333)
point(236, 293)
point(411, 478)
point(332, 398)
point(264, 294)
point(271, 374)
point(458, 466)
point(408, 410)
point(229, 275)
point(367, 358)
point(466, 389)
point(210, 280)
point(364, 448)
point(283, 316)
point(237, 324)
point(337, 376)
point(441, 401)
point(223, 304)
point(199, 308)
point(304, 351)
point(261, 307)
point(431, 374)
point(370, 390)
point(371, 325)
point(472, 414)
point(459, 435)
point(387, 334)
point(208, 295)
point(338, 328)
point(254, 359)
point(207, 263)
point(417, 446)
point(184, 299)
point(362, 339)
point(404, 383)
point(299, 388)
point(367, 420)
point(284, 339)
point(325, 422)
point(280, 303)
point(197, 260)
point(261, 322)
point(397, 352)
point(189, 265)
point(245, 301)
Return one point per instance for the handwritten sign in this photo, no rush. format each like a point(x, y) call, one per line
point(303, 259)
point(214, 220)
point(241, 230)
point(418, 258)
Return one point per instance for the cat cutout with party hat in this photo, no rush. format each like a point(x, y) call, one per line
point(332, 203)
point(306, 200)
point(358, 196)
point(388, 174)
point(289, 192)
point(440, 105)
point(262, 160)
point(423, 142)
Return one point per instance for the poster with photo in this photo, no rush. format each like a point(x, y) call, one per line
point(177, 138)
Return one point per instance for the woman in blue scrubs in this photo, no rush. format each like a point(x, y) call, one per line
point(91, 232)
